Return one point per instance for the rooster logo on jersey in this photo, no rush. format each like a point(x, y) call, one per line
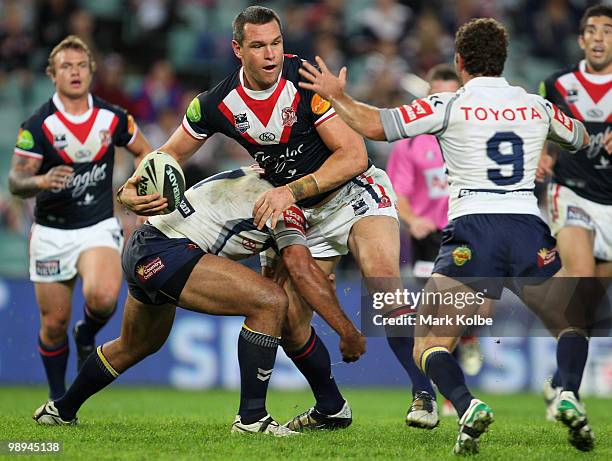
point(289, 116)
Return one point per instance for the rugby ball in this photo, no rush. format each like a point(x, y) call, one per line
point(161, 174)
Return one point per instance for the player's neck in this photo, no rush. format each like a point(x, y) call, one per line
point(75, 106)
point(604, 71)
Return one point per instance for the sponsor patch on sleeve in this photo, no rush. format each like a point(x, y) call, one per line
point(131, 125)
point(294, 219)
point(194, 112)
point(418, 109)
point(25, 140)
point(563, 119)
point(319, 105)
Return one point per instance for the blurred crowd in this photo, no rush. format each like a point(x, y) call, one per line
point(154, 55)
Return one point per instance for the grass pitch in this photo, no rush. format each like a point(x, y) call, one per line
point(125, 423)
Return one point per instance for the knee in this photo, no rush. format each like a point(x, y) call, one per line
point(101, 300)
point(380, 266)
point(54, 328)
point(273, 301)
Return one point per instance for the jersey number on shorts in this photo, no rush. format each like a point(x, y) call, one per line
point(515, 158)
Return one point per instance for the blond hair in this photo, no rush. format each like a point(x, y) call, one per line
point(74, 43)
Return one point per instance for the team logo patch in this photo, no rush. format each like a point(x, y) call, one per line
point(242, 122)
point(289, 116)
point(46, 268)
point(563, 119)
point(267, 137)
point(575, 213)
point(319, 105)
point(105, 137)
point(148, 270)
point(194, 113)
point(249, 245)
point(546, 256)
point(572, 95)
point(294, 219)
point(185, 208)
point(385, 202)
point(25, 140)
point(59, 141)
point(359, 206)
point(461, 255)
point(418, 109)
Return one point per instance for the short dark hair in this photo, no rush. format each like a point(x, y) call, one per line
point(443, 72)
point(253, 15)
point(595, 10)
point(483, 45)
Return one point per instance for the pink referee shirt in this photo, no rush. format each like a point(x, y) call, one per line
point(416, 170)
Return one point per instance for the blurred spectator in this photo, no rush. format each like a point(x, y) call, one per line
point(160, 90)
point(16, 44)
point(51, 25)
point(149, 23)
point(386, 21)
point(326, 45)
point(109, 84)
point(552, 26)
point(296, 37)
point(83, 24)
point(428, 43)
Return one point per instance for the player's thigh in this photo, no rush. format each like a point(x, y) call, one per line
point(603, 269)
point(374, 243)
point(220, 286)
point(100, 269)
point(144, 330)
point(55, 303)
point(575, 246)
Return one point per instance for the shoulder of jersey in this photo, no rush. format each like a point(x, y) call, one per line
point(42, 112)
point(103, 104)
point(291, 66)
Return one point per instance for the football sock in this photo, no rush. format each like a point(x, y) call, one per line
point(572, 352)
point(402, 348)
point(446, 373)
point(95, 375)
point(314, 363)
point(92, 323)
point(54, 359)
point(256, 357)
point(556, 379)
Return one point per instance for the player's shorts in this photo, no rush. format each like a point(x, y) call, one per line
point(511, 250)
point(157, 267)
point(566, 208)
point(329, 225)
point(54, 252)
point(424, 253)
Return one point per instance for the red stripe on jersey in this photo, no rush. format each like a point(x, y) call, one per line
point(104, 148)
point(228, 114)
point(25, 153)
point(572, 107)
point(287, 130)
point(188, 132)
point(63, 154)
point(404, 114)
point(325, 118)
point(262, 108)
point(594, 90)
point(79, 130)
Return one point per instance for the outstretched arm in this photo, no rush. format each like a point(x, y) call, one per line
point(362, 118)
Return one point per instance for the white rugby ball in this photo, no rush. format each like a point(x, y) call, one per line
point(160, 173)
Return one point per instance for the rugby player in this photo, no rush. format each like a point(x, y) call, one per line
point(491, 135)
point(64, 156)
point(185, 259)
point(580, 194)
point(314, 160)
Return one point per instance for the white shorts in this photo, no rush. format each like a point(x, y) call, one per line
point(54, 252)
point(566, 208)
point(329, 225)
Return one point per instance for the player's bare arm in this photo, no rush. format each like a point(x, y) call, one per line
point(24, 182)
point(349, 158)
point(181, 146)
point(362, 118)
point(315, 288)
point(608, 143)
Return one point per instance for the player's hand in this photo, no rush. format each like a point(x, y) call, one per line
point(352, 346)
point(421, 227)
point(143, 205)
point(545, 167)
point(271, 204)
point(608, 143)
point(56, 178)
point(323, 82)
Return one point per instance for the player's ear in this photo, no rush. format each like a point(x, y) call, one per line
point(237, 49)
point(458, 63)
point(581, 42)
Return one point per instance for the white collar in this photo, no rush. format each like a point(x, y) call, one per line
point(262, 94)
point(598, 79)
point(73, 118)
point(487, 81)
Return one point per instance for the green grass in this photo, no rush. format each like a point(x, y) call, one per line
point(162, 424)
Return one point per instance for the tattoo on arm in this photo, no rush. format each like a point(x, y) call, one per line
point(22, 180)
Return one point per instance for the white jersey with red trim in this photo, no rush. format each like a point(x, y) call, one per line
point(491, 135)
point(216, 214)
point(86, 143)
point(277, 126)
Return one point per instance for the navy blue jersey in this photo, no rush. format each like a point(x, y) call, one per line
point(586, 97)
point(86, 143)
point(276, 126)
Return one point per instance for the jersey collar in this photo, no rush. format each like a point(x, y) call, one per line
point(263, 94)
point(598, 79)
point(487, 81)
point(73, 118)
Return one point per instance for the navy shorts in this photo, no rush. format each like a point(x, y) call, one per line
point(511, 250)
point(157, 267)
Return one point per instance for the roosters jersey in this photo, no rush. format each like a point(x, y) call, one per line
point(84, 142)
point(277, 126)
point(586, 97)
point(216, 214)
point(491, 135)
